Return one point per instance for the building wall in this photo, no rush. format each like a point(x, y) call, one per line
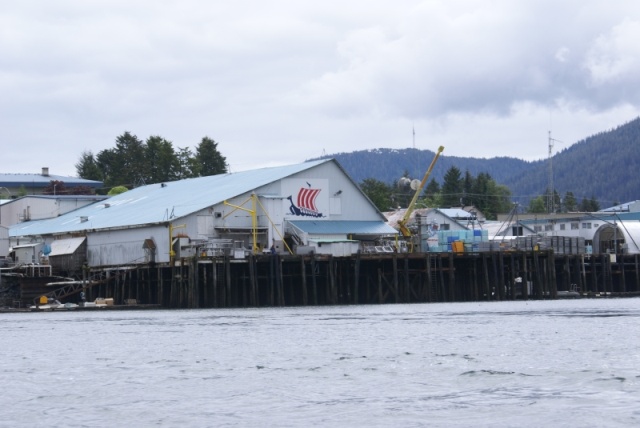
point(28, 254)
point(337, 198)
point(574, 228)
point(4, 241)
point(37, 208)
point(331, 196)
point(124, 247)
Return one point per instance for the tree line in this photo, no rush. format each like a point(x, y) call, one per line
point(568, 203)
point(134, 162)
point(460, 190)
point(456, 190)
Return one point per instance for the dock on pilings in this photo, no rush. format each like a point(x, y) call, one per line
point(308, 280)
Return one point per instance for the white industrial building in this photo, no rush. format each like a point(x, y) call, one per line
point(31, 208)
point(313, 206)
point(611, 230)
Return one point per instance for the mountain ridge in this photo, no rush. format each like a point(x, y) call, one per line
point(604, 165)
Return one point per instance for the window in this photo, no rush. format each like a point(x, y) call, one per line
point(586, 225)
point(537, 228)
point(563, 226)
point(548, 227)
point(575, 226)
point(444, 226)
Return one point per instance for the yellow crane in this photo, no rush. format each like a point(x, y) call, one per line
point(402, 223)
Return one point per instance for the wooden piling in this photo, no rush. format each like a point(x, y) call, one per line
point(303, 276)
point(407, 287)
point(395, 278)
point(485, 277)
point(356, 279)
point(274, 280)
point(314, 281)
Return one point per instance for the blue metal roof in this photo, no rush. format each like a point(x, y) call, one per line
point(161, 202)
point(344, 227)
point(32, 180)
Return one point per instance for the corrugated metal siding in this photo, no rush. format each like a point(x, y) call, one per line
point(125, 247)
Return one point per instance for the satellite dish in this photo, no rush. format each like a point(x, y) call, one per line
point(415, 184)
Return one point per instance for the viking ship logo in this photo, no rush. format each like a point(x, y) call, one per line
point(305, 203)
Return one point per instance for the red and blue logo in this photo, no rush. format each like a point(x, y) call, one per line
point(305, 202)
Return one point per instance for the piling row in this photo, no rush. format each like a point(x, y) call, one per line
point(277, 280)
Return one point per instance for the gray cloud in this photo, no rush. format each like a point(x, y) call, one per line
point(279, 82)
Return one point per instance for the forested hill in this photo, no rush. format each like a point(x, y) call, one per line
point(605, 166)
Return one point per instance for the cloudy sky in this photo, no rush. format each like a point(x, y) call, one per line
point(279, 82)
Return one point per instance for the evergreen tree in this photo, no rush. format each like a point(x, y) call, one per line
point(131, 166)
point(107, 160)
point(209, 161)
point(594, 205)
point(161, 160)
point(585, 205)
point(570, 202)
point(467, 189)
point(133, 162)
point(432, 188)
point(557, 202)
point(498, 200)
point(378, 192)
point(186, 163)
point(432, 197)
point(537, 205)
point(452, 188)
point(87, 167)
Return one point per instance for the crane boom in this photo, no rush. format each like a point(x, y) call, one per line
point(402, 224)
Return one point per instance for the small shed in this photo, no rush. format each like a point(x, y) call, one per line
point(27, 253)
point(68, 255)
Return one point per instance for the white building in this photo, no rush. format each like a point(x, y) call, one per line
point(609, 230)
point(309, 206)
point(39, 207)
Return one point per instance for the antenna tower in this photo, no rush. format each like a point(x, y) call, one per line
point(550, 196)
point(414, 137)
